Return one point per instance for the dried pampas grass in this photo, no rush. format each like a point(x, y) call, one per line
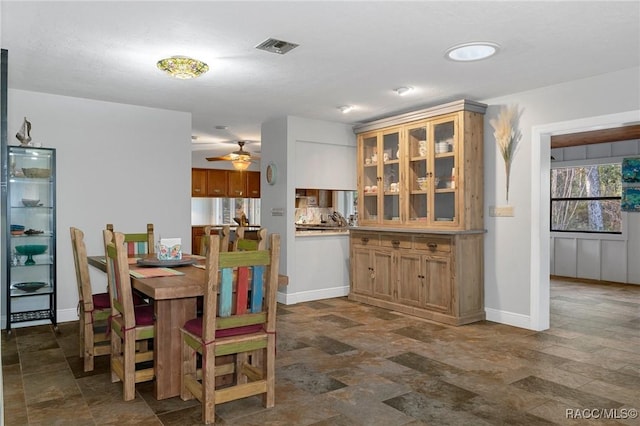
point(507, 135)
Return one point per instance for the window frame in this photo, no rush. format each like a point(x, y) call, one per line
point(596, 235)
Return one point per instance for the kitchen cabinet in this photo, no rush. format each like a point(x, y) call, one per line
point(198, 182)
point(433, 276)
point(419, 245)
point(253, 184)
point(423, 173)
point(216, 183)
point(29, 203)
point(236, 184)
point(225, 183)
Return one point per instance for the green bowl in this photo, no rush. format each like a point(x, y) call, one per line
point(31, 249)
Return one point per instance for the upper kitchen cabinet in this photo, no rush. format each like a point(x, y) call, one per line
point(225, 183)
point(423, 169)
point(198, 182)
point(216, 183)
point(253, 184)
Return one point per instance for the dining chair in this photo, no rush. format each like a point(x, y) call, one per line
point(138, 243)
point(93, 309)
point(241, 243)
point(129, 324)
point(233, 324)
point(224, 233)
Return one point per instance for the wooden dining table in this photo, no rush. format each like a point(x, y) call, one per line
point(174, 304)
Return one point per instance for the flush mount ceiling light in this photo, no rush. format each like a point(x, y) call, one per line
point(401, 91)
point(473, 51)
point(345, 108)
point(182, 67)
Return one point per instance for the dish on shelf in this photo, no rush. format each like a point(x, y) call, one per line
point(34, 172)
point(29, 202)
point(29, 287)
point(17, 231)
point(33, 231)
point(31, 249)
point(17, 227)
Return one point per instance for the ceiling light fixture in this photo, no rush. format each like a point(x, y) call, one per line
point(473, 51)
point(182, 67)
point(241, 164)
point(401, 91)
point(345, 108)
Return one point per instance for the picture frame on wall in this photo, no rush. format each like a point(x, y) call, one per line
point(630, 185)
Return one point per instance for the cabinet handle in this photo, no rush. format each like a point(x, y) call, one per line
point(395, 242)
point(196, 190)
point(432, 245)
point(365, 240)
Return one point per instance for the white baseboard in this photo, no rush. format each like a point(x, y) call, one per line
point(308, 296)
point(508, 318)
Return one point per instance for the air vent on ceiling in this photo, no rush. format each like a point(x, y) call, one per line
point(276, 46)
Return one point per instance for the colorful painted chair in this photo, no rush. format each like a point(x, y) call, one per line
point(240, 324)
point(241, 243)
point(138, 243)
point(93, 309)
point(130, 324)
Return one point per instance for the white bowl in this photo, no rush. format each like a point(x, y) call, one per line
point(27, 202)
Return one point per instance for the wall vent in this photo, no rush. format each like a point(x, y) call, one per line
point(276, 46)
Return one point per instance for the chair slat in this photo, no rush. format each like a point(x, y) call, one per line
point(226, 292)
point(256, 288)
point(235, 259)
point(242, 290)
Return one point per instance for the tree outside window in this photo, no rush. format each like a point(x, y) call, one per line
point(586, 199)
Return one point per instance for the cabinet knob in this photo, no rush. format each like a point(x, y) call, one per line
point(364, 239)
point(196, 190)
point(395, 242)
point(432, 246)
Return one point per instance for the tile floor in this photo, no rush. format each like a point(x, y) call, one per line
point(344, 363)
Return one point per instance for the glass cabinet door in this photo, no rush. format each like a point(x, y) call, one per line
point(419, 174)
point(390, 172)
point(31, 241)
point(369, 172)
point(445, 148)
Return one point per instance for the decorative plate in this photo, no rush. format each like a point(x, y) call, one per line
point(170, 263)
point(29, 287)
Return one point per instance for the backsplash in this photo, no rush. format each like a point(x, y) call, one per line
point(313, 215)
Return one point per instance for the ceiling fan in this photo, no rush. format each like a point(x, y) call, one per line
point(240, 159)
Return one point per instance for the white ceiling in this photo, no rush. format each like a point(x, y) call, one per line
point(351, 52)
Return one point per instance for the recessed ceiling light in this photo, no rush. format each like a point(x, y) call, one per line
point(403, 90)
point(345, 108)
point(221, 127)
point(473, 51)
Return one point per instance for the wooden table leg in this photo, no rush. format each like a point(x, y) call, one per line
point(170, 316)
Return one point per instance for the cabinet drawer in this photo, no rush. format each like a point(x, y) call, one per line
point(432, 244)
point(395, 241)
point(364, 239)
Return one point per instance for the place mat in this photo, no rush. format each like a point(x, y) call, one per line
point(131, 261)
point(153, 272)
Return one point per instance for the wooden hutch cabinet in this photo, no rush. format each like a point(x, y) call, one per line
point(419, 245)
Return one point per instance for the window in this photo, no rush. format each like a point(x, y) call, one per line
point(586, 199)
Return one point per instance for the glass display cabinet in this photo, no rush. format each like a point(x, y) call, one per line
point(418, 247)
point(30, 228)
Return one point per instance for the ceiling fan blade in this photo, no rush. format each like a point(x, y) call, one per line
point(223, 158)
